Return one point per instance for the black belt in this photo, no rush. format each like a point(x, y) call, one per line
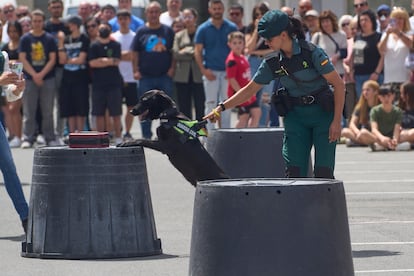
point(308, 99)
point(303, 100)
point(259, 56)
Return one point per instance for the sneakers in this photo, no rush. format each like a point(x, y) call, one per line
point(128, 137)
point(26, 145)
point(56, 143)
point(403, 146)
point(351, 143)
point(118, 140)
point(15, 142)
point(377, 147)
point(40, 139)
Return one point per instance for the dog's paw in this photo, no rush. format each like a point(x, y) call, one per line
point(128, 144)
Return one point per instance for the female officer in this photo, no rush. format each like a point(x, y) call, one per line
point(314, 113)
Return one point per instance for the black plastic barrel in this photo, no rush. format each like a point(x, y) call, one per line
point(249, 152)
point(262, 227)
point(90, 203)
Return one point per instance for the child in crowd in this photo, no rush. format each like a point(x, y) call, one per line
point(358, 133)
point(238, 75)
point(386, 122)
point(406, 103)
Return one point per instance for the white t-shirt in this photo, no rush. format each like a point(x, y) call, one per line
point(394, 60)
point(166, 19)
point(125, 67)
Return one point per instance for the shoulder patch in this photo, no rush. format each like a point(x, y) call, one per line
point(231, 63)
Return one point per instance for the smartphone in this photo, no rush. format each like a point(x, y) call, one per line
point(392, 22)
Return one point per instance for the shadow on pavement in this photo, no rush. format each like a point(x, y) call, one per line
point(374, 253)
point(14, 238)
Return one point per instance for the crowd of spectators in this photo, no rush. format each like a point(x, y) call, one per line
point(80, 70)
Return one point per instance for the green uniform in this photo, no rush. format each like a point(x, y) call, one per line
point(305, 125)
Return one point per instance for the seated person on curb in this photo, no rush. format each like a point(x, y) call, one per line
point(406, 103)
point(238, 75)
point(358, 133)
point(386, 121)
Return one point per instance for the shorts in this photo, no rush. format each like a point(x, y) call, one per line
point(130, 93)
point(106, 98)
point(246, 109)
point(74, 99)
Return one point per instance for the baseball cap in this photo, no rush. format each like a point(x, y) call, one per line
point(272, 23)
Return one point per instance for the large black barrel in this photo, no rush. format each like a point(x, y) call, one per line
point(249, 152)
point(262, 227)
point(90, 203)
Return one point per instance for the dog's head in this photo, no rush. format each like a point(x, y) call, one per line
point(152, 104)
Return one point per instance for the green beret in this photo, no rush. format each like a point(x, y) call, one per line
point(273, 23)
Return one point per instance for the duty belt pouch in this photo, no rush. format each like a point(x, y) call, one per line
point(280, 100)
point(326, 100)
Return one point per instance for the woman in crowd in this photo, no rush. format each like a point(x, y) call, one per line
point(359, 130)
point(256, 49)
point(331, 39)
point(395, 45)
point(366, 62)
point(13, 109)
point(188, 78)
point(406, 103)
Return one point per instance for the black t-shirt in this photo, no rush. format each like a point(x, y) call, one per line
point(73, 48)
point(407, 121)
point(37, 49)
point(366, 53)
point(13, 54)
point(110, 75)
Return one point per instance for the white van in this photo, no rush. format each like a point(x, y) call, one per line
point(138, 6)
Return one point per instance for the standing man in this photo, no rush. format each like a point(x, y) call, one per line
point(129, 89)
point(136, 22)
point(152, 57)
point(311, 23)
point(211, 51)
point(360, 6)
point(173, 11)
point(236, 13)
point(53, 26)
point(37, 52)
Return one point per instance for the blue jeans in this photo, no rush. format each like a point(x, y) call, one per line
point(255, 62)
point(11, 180)
point(163, 83)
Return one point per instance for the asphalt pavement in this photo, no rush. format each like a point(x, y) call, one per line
point(379, 189)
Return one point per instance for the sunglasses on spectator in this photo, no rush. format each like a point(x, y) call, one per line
point(22, 14)
point(345, 24)
point(8, 11)
point(235, 13)
point(383, 14)
point(360, 5)
point(91, 26)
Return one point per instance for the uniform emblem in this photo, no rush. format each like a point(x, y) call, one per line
point(305, 64)
point(324, 62)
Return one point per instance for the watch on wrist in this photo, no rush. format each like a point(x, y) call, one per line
point(222, 106)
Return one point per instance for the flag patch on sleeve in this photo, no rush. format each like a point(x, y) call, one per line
point(324, 62)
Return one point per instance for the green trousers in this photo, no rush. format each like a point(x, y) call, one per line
point(307, 126)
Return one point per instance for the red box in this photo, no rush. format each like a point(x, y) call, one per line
point(89, 139)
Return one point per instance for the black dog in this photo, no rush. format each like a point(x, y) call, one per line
point(177, 138)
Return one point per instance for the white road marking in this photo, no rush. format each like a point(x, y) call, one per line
point(381, 243)
point(383, 271)
point(382, 222)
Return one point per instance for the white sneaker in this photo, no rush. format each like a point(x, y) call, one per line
point(55, 143)
point(15, 142)
point(377, 147)
point(40, 139)
point(26, 145)
point(403, 146)
point(118, 140)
